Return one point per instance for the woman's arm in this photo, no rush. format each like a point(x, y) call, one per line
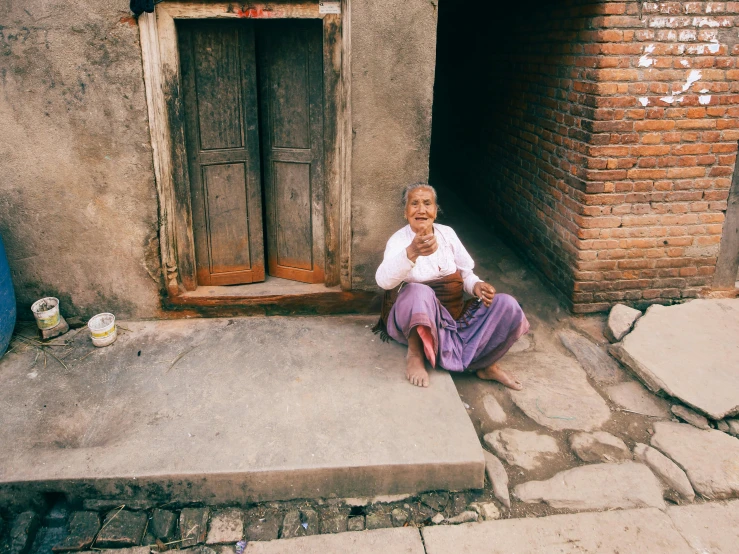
point(395, 265)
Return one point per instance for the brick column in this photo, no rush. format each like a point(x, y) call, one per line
point(662, 125)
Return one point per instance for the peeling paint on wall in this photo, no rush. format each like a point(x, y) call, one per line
point(694, 76)
point(704, 99)
point(671, 99)
point(644, 101)
point(645, 60)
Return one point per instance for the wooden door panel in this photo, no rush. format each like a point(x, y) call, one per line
point(227, 212)
point(218, 89)
point(291, 101)
point(221, 122)
point(292, 193)
point(290, 94)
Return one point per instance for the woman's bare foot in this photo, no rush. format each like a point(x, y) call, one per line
point(415, 370)
point(495, 373)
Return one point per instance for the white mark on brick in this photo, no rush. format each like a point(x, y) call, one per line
point(684, 63)
point(704, 90)
point(672, 98)
point(714, 46)
point(694, 76)
point(704, 99)
point(645, 60)
point(644, 101)
point(706, 22)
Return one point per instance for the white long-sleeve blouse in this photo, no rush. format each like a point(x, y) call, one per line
point(449, 257)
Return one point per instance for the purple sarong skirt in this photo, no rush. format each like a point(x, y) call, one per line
point(478, 339)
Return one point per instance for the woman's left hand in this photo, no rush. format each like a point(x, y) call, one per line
point(485, 292)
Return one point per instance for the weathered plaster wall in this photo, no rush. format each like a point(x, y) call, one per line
point(393, 57)
point(78, 208)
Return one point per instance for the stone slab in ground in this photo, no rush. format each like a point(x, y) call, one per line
point(595, 360)
point(83, 526)
point(403, 540)
point(710, 458)
point(193, 526)
point(498, 478)
point(226, 526)
point(526, 449)
point(689, 416)
point(21, 533)
point(493, 409)
point(556, 392)
point(221, 410)
point(621, 319)
point(122, 528)
point(690, 351)
point(617, 532)
point(596, 487)
point(599, 447)
point(162, 525)
point(667, 470)
point(712, 527)
point(46, 539)
point(634, 397)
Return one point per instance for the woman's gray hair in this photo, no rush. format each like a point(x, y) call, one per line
point(407, 190)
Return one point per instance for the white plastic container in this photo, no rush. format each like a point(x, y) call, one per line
point(46, 312)
point(102, 329)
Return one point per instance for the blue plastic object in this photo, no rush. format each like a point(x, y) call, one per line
point(7, 302)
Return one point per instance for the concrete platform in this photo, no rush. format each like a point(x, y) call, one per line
point(232, 410)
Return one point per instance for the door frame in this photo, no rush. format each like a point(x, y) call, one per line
point(162, 80)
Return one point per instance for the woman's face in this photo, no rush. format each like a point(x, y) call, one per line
point(420, 211)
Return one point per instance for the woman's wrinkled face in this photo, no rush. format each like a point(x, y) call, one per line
point(420, 211)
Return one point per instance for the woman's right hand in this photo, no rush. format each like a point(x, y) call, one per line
point(424, 244)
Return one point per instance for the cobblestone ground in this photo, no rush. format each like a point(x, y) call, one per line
point(139, 528)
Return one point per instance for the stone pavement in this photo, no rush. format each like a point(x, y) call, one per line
point(690, 352)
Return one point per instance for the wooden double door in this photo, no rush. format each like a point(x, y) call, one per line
point(253, 101)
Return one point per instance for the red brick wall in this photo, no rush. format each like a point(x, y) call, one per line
point(594, 146)
point(658, 174)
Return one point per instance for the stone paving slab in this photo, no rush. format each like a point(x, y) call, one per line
point(596, 487)
point(625, 531)
point(404, 540)
point(234, 410)
point(556, 392)
point(690, 351)
point(710, 527)
point(710, 458)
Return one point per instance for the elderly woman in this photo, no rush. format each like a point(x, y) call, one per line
point(425, 272)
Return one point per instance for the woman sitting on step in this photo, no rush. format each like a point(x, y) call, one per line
point(425, 273)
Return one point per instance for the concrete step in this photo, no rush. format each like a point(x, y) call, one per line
point(231, 410)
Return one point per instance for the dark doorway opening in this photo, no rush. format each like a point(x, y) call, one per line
point(503, 137)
